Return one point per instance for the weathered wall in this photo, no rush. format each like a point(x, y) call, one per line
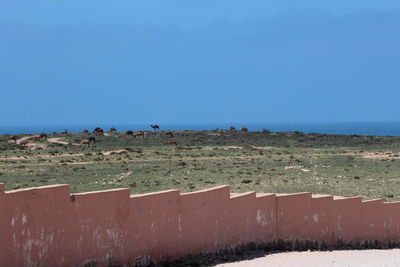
point(47, 226)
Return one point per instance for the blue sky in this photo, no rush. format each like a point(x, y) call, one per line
point(184, 61)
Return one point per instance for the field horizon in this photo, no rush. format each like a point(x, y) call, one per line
point(381, 128)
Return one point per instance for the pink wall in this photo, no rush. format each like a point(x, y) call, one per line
point(293, 213)
point(322, 217)
point(153, 226)
point(392, 221)
point(265, 227)
point(46, 226)
point(372, 226)
point(347, 219)
point(3, 227)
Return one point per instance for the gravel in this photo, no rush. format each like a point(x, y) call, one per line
point(347, 258)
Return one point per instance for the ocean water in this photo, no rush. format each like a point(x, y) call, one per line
point(361, 128)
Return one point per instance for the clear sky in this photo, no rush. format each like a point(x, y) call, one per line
point(198, 61)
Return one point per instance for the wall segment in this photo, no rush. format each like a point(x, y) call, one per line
point(46, 226)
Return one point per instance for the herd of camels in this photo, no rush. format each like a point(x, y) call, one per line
point(23, 142)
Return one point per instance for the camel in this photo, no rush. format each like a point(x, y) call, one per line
point(172, 141)
point(139, 134)
point(244, 130)
point(85, 142)
point(88, 141)
point(98, 130)
point(23, 144)
point(13, 138)
point(155, 127)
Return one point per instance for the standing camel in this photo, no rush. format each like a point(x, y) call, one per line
point(13, 138)
point(98, 130)
point(88, 141)
point(85, 142)
point(138, 134)
point(244, 130)
point(155, 127)
point(23, 144)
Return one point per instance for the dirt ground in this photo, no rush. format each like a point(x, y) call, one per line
point(347, 258)
point(254, 161)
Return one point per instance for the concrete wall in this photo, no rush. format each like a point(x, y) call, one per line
point(47, 226)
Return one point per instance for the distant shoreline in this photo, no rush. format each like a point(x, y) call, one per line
point(345, 128)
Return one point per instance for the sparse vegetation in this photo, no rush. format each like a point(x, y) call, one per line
point(260, 161)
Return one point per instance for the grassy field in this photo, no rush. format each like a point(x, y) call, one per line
point(253, 161)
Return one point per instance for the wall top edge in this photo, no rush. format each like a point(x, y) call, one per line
point(103, 191)
point(321, 196)
point(207, 190)
point(293, 194)
point(373, 200)
point(156, 193)
point(177, 191)
point(265, 194)
point(37, 188)
point(339, 198)
point(236, 195)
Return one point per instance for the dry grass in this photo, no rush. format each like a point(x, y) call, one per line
point(277, 162)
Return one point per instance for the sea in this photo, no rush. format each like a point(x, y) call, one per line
point(342, 128)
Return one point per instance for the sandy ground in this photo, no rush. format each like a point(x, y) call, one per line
point(30, 144)
point(381, 155)
point(347, 258)
point(58, 141)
